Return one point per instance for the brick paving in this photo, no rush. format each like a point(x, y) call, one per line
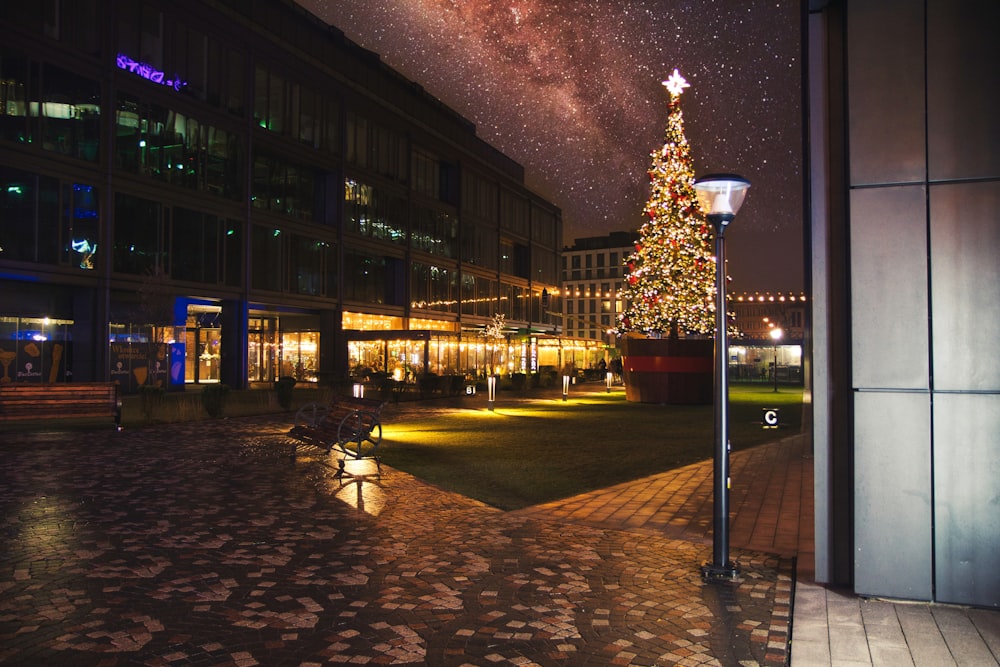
point(205, 544)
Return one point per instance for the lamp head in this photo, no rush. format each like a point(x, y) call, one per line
point(720, 197)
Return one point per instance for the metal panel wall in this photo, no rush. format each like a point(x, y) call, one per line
point(965, 270)
point(967, 498)
point(892, 515)
point(889, 288)
point(963, 85)
point(924, 226)
point(885, 65)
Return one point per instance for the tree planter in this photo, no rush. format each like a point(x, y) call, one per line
point(666, 370)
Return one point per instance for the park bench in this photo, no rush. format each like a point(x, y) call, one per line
point(352, 426)
point(37, 402)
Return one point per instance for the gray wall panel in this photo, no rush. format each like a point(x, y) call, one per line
point(967, 498)
point(892, 495)
point(886, 66)
point(888, 288)
point(963, 89)
point(965, 292)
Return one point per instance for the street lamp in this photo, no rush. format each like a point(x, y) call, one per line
point(720, 197)
point(776, 334)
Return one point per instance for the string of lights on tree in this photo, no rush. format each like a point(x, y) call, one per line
point(669, 282)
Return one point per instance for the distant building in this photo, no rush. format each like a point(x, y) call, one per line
point(756, 351)
point(592, 273)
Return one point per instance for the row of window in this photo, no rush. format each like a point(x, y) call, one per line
point(48, 221)
point(590, 306)
point(48, 106)
point(172, 147)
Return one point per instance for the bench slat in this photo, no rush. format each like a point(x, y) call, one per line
point(70, 400)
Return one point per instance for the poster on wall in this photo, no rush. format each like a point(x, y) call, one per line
point(134, 364)
point(34, 361)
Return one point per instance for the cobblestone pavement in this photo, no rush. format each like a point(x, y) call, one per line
point(206, 544)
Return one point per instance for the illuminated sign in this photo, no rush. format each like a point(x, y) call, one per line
point(148, 72)
point(771, 418)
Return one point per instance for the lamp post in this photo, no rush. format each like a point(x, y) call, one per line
point(720, 197)
point(776, 334)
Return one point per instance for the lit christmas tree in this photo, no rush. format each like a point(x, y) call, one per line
point(670, 278)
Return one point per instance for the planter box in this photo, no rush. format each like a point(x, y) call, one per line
point(671, 371)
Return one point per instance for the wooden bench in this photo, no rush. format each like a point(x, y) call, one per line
point(352, 426)
point(31, 402)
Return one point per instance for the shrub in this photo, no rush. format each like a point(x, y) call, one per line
point(213, 397)
point(151, 397)
point(284, 386)
point(518, 381)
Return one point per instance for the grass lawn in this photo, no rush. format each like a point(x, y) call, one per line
point(530, 452)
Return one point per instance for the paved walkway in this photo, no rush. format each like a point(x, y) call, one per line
point(204, 544)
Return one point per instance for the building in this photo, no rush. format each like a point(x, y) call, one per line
point(904, 228)
point(232, 191)
point(771, 336)
point(592, 273)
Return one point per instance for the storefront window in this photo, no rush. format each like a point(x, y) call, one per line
point(140, 355)
point(300, 355)
point(203, 345)
point(261, 350)
point(35, 349)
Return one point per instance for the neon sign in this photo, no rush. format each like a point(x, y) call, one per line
point(148, 72)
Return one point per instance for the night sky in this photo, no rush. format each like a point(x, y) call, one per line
point(572, 90)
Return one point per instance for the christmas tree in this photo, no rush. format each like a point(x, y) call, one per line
point(670, 278)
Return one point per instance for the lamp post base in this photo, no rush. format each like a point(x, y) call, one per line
point(726, 572)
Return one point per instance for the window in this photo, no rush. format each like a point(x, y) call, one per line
point(307, 262)
point(357, 140)
point(266, 258)
point(70, 114)
point(479, 196)
point(479, 246)
point(433, 288)
point(364, 277)
point(425, 174)
point(138, 235)
point(174, 148)
point(373, 213)
point(434, 232)
point(72, 22)
point(140, 32)
point(195, 246)
point(29, 215)
point(285, 188)
point(514, 213)
point(205, 248)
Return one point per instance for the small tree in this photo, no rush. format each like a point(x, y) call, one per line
point(493, 332)
point(670, 278)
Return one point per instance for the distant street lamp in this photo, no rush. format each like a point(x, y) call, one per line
point(776, 334)
point(720, 197)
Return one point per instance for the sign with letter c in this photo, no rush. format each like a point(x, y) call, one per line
point(770, 418)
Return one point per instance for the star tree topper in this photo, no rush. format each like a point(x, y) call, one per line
point(676, 84)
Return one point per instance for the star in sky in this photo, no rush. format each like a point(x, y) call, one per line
point(571, 89)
